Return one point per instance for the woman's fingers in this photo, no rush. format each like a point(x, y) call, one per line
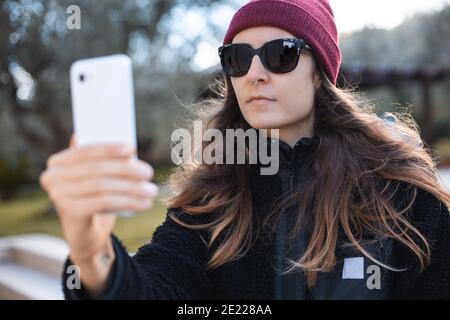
point(132, 169)
point(82, 181)
point(90, 153)
point(84, 207)
point(73, 141)
point(91, 187)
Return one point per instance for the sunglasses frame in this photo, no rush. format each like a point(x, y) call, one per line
point(299, 42)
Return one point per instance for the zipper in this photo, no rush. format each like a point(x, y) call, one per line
point(290, 285)
point(298, 288)
point(291, 167)
point(282, 284)
point(294, 282)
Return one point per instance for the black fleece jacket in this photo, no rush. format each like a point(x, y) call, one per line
point(173, 264)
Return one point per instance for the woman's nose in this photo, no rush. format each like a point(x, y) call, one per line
point(257, 71)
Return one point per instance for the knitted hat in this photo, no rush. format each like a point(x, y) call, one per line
point(310, 20)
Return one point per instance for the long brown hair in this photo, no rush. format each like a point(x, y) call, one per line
point(364, 157)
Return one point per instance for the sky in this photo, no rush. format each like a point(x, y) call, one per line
point(350, 15)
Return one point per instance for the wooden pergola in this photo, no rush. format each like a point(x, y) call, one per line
point(374, 77)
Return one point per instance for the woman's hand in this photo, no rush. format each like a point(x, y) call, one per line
point(87, 185)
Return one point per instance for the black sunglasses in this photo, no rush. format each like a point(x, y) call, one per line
point(277, 56)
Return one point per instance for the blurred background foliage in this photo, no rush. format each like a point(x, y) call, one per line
point(36, 51)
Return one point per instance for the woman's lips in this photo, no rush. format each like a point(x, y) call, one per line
point(261, 101)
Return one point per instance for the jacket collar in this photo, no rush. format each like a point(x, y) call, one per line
point(288, 155)
point(301, 150)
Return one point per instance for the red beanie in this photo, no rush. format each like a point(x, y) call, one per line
point(311, 20)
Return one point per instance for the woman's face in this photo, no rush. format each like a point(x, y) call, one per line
point(293, 92)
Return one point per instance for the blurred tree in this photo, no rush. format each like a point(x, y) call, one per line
point(419, 42)
point(12, 177)
point(37, 49)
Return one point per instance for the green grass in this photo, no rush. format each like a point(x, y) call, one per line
point(27, 215)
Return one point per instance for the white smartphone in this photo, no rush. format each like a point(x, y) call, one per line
point(103, 102)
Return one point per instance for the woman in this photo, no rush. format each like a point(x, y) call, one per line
point(355, 210)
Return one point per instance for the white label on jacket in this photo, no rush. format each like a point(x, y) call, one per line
point(353, 268)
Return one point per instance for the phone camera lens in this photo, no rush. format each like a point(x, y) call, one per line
point(81, 77)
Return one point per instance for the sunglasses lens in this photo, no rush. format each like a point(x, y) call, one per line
point(236, 60)
point(281, 56)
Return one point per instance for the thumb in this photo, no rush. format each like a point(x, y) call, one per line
point(73, 141)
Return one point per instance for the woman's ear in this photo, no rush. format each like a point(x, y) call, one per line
point(316, 79)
